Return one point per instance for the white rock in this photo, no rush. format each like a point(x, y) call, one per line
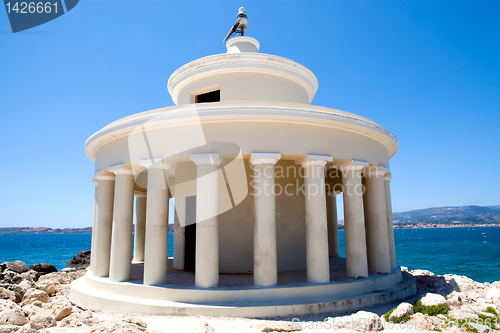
point(467, 284)
point(13, 317)
point(451, 282)
point(48, 286)
point(460, 314)
point(7, 294)
point(206, 328)
point(7, 305)
point(30, 310)
point(8, 328)
point(483, 299)
point(30, 275)
point(493, 294)
point(433, 299)
point(131, 320)
point(470, 308)
point(81, 315)
point(63, 278)
point(42, 320)
point(422, 272)
point(25, 284)
point(80, 318)
point(359, 321)
point(401, 310)
point(27, 329)
point(115, 326)
point(274, 326)
point(454, 302)
point(483, 307)
point(33, 295)
point(423, 321)
point(60, 307)
point(453, 330)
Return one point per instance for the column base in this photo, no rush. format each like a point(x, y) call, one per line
point(289, 298)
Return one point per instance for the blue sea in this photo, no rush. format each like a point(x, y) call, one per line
point(474, 252)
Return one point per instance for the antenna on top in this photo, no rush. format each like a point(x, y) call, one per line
point(241, 24)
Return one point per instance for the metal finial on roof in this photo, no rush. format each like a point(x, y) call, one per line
point(240, 25)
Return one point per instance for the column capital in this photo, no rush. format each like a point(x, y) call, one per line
point(319, 160)
point(121, 169)
point(374, 171)
point(140, 194)
point(387, 176)
point(352, 165)
point(156, 162)
point(206, 158)
point(146, 162)
point(383, 168)
point(103, 175)
point(264, 158)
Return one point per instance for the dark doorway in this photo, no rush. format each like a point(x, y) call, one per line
point(190, 235)
point(209, 97)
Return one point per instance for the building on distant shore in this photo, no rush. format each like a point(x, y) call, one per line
point(254, 170)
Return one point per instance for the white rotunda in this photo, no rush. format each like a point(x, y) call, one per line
point(254, 171)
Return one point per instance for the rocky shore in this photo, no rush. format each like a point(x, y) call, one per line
point(35, 299)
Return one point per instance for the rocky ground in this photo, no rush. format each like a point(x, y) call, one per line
point(35, 299)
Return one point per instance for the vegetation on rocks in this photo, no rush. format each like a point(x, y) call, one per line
point(491, 310)
point(36, 299)
point(432, 310)
point(397, 320)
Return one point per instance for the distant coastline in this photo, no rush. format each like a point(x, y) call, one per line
point(432, 225)
point(437, 217)
point(88, 230)
point(45, 230)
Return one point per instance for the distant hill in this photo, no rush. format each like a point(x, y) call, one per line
point(464, 215)
point(421, 218)
point(44, 230)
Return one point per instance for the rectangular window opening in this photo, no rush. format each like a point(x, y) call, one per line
point(209, 97)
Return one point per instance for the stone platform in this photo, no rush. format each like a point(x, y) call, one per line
point(237, 296)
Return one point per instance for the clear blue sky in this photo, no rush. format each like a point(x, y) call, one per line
point(428, 71)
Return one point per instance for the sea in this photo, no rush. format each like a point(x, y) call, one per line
point(470, 251)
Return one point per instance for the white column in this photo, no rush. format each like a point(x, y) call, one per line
point(179, 236)
point(156, 246)
point(390, 224)
point(366, 202)
point(104, 222)
point(354, 221)
point(92, 245)
point(376, 221)
point(318, 265)
point(265, 264)
point(179, 230)
point(333, 228)
point(207, 232)
point(123, 220)
point(140, 225)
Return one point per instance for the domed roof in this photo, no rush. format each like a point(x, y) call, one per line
point(244, 74)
